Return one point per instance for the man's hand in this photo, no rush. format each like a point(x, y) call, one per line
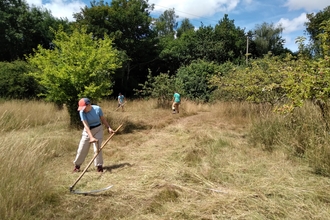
point(111, 131)
point(92, 140)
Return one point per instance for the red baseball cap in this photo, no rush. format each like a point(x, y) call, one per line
point(83, 103)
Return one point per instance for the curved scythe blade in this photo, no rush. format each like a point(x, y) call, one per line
point(92, 191)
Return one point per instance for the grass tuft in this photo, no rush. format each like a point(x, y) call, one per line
point(166, 194)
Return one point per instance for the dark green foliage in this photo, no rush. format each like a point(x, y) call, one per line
point(128, 23)
point(225, 68)
point(166, 24)
point(193, 81)
point(177, 52)
point(160, 87)
point(225, 42)
point(23, 28)
point(15, 81)
point(230, 41)
point(267, 38)
point(314, 27)
point(206, 46)
point(184, 27)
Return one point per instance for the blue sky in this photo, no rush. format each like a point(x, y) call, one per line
point(291, 14)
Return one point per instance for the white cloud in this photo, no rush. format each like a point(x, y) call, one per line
point(296, 24)
point(34, 2)
point(195, 8)
point(60, 8)
point(308, 5)
point(290, 43)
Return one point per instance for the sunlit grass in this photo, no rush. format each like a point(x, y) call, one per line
point(16, 115)
point(301, 134)
point(219, 161)
point(24, 190)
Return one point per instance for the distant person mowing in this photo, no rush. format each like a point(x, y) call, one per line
point(121, 101)
point(176, 103)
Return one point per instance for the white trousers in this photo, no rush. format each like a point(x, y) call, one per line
point(84, 146)
point(175, 106)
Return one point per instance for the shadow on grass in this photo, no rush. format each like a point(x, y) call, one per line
point(117, 166)
point(130, 127)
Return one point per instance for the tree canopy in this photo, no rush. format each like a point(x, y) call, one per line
point(314, 28)
point(129, 23)
point(185, 26)
point(267, 38)
point(79, 66)
point(144, 42)
point(167, 24)
point(23, 28)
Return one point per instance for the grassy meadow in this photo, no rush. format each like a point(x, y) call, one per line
point(219, 161)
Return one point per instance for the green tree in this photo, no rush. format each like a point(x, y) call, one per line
point(313, 28)
point(185, 26)
point(191, 45)
point(166, 24)
point(303, 49)
point(79, 66)
point(259, 82)
point(129, 23)
point(193, 81)
point(160, 87)
point(177, 52)
point(206, 46)
point(16, 83)
point(225, 42)
point(320, 92)
point(230, 41)
point(23, 28)
point(314, 83)
point(268, 38)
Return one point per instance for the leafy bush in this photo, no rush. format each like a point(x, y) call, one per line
point(79, 66)
point(260, 82)
point(193, 80)
point(15, 83)
point(160, 87)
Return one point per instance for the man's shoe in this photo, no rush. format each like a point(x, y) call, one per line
point(100, 168)
point(76, 168)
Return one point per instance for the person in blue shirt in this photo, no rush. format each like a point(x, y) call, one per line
point(92, 119)
point(176, 103)
point(121, 101)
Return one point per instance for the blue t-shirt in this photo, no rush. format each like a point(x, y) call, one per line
point(93, 116)
point(176, 97)
point(121, 99)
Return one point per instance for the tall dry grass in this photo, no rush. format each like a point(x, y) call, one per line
point(219, 161)
point(302, 134)
point(17, 115)
point(26, 148)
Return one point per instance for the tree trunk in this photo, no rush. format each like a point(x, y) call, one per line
point(324, 107)
point(74, 114)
